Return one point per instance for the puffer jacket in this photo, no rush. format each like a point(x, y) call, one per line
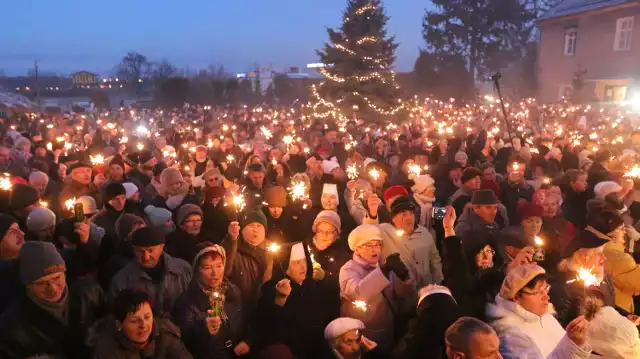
point(625, 272)
point(526, 335)
point(164, 343)
point(176, 278)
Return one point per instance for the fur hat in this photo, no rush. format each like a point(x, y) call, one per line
point(517, 278)
point(39, 259)
point(362, 234)
point(40, 219)
point(275, 196)
point(185, 211)
point(330, 217)
point(112, 190)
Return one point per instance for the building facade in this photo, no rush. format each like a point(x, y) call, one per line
point(590, 46)
point(84, 79)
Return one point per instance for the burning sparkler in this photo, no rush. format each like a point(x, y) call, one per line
point(97, 160)
point(298, 191)
point(634, 172)
point(352, 172)
point(5, 182)
point(70, 203)
point(586, 277)
point(374, 174)
point(415, 169)
point(361, 305)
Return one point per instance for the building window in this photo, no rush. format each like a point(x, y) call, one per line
point(570, 41)
point(624, 29)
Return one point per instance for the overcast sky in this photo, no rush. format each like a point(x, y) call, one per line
point(70, 35)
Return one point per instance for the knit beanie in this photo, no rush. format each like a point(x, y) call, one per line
point(170, 176)
point(147, 237)
point(125, 223)
point(470, 173)
point(517, 278)
point(330, 217)
point(5, 222)
point(528, 210)
point(422, 182)
point(252, 216)
point(157, 215)
point(39, 259)
point(275, 196)
point(394, 191)
point(130, 189)
point(362, 234)
point(185, 211)
point(40, 219)
point(402, 204)
point(604, 188)
point(117, 160)
point(112, 190)
point(22, 196)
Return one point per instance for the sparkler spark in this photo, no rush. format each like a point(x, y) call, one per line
point(70, 203)
point(97, 160)
point(374, 174)
point(352, 172)
point(273, 247)
point(5, 182)
point(586, 277)
point(298, 191)
point(360, 304)
point(634, 172)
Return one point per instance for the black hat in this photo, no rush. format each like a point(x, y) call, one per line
point(402, 204)
point(5, 222)
point(470, 173)
point(144, 156)
point(131, 160)
point(113, 189)
point(454, 166)
point(117, 160)
point(256, 167)
point(147, 237)
point(22, 196)
point(512, 239)
point(158, 168)
point(584, 239)
point(484, 196)
point(604, 221)
point(79, 164)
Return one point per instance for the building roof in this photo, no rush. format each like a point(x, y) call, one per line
point(571, 7)
point(82, 72)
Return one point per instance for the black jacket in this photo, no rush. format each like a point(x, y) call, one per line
point(510, 195)
point(190, 314)
point(215, 222)
point(107, 218)
point(10, 285)
point(28, 330)
point(574, 207)
point(597, 173)
point(332, 258)
point(183, 245)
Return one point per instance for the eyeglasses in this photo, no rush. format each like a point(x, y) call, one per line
point(371, 246)
point(488, 252)
point(193, 221)
point(544, 290)
point(326, 233)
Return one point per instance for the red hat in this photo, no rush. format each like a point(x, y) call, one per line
point(530, 210)
point(394, 191)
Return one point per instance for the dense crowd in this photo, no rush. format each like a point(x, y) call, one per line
point(264, 233)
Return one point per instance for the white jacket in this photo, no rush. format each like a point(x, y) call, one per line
point(524, 335)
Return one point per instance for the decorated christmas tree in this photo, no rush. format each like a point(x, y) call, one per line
point(358, 68)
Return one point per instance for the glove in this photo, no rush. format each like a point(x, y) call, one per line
point(395, 265)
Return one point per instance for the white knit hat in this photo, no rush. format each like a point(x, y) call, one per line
point(362, 234)
point(329, 166)
point(130, 189)
point(613, 336)
point(602, 189)
point(331, 188)
point(339, 326)
point(422, 182)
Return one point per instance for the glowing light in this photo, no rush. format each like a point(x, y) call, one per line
point(97, 160)
point(352, 172)
point(360, 304)
point(634, 172)
point(273, 247)
point(586, 277)
point(374, 174)
point(70, 203)
point(5, 182)
point(538, 241)
point(415, 169)
point(298, 191)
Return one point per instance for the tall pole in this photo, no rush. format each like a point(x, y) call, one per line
point(496, 82)
point(37, 82)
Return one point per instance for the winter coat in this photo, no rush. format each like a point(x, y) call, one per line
point(164, 343)
point(135, 207)
point(625, 273)
point(597, 173)
point(360, 280)
point(425, 338)
point(445, 188)
point(246, 267)
point(285, 225)
point(295, 324)
point(526, 335)
point(10, 284)
point(176, 277)
point(215, 222)
point(470, 222)
point(28, 330)
point(183, 245)
point(332, 258)
point(574, 206)
point(460, 198)
point(106, 218)
point(297, 163)
point(190, 315)
point(511, 194)
point(557, 231)
point(72, 189)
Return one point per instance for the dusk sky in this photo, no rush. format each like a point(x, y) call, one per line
point(70, 35)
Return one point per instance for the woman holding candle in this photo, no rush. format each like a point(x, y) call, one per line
point(210, 313)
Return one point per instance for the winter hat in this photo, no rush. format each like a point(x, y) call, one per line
point(330, 217)
point(461, 156)
point(112, 190)
point(604, 188)
point(147, 237)
point(125, 223)
point(158, 168)
point(275, 196)
point(613, 336)
point(79, 164)
point(528, 210)
point(89, 205)
point(5, 222)
point(256, 167)
point(40, 219)
point(253, 216)
point(470, 173)
point(130, 189)
point(402, 204)
point(422, 182)
point(329, 166)
point(117, 160)
point(362, 234)
point(585, 239)
point(170, 176)
point(23, 196)
point(157, 215)
point(340, 326)
point(484, 196)
point(394, 191)
point(331, 188)
point(517, 278)
point(39, 259)
point(585, 162)
point(145, 156)
point(185, 211)
point(213, 248)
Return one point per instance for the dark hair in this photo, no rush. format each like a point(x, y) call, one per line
point(603, 155)
point(210, 254)
point(128, 301)
point(459, 334)
point(534, 282)
point(573, 174)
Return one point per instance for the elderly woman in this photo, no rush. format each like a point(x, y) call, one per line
point(523, 318)
point(346, 340)
point(556, 229)
point(174, 191)
point(330, 252)
point(209, 313)
point(135, 333)
point(376, 287)
point(424, 193)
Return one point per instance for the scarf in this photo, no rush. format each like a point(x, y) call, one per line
point(426, 204)
point(216, 300)
point(59, 309)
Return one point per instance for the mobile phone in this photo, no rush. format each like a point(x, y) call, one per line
point(439, 212)
point(79, 212)
point(538, 254)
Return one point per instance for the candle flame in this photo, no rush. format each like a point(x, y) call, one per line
point(538, 241)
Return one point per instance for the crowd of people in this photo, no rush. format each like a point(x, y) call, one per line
point(264, 233)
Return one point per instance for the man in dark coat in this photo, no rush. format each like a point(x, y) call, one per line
point(599, 171)
point(471, 178)
point(114, 196)
point(78, 184)
point(255, 184)
point(183, 243)
point(515, 189)
point(50, 318)
point(576, 195)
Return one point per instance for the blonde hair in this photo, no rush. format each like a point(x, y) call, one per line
point(578, 259)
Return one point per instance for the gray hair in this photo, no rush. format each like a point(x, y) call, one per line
point(36, 176)
point(458, 335)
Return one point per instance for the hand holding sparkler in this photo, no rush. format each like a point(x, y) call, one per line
point(283, 290)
